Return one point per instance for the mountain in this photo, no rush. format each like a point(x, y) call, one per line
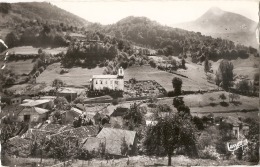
point(219, 23)
point(14, 13)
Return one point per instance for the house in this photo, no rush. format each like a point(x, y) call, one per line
point(11, 100)
point(69, 115)
point(32, 114)
point(40, 103)
point(112, 82)
point(80, 133)
point(31, 134)
point(239, 128)
point(112, 147)
point(68, 93)
point(119, 135)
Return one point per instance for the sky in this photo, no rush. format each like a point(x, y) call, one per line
point(166, 12)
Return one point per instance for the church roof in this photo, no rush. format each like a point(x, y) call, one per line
point(104, 77)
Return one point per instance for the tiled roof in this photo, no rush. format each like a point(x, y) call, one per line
point(38, 133)
point(76, 110)
point(31, 103)
point(18, 141)
point(40, 110)
point(80, 133)
point(34, 109)
point(55, 127)
point(117, 134)
point(112, 146)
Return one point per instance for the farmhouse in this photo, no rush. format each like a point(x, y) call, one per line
point(32, 114)
point(112, 82)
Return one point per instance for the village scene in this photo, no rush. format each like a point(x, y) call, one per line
point(76, 93)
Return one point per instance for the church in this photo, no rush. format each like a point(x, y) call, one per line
point(112, 82)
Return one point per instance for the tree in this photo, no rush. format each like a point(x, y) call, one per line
point(222, 97)
point(134, 116)
point(225, 73)
point(170, 133)
point(124, 147)
point(206, 65)
point(243, 86)
point(183, 63)
point(234, 96)
point(12, 39)
point(61, 103)
point(198, 123)
point(57, 83)
point(177, 84)
point(62, 147)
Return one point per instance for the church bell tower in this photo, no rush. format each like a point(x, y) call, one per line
point(120, 73)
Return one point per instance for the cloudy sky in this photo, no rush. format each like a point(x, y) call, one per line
point(166, 12)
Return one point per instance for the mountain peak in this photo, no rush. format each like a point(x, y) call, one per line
point(215, 11)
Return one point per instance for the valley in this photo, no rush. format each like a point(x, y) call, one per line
point(131, 93)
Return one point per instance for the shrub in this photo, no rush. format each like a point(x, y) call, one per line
point(115, 102)
point(171, 94)
point(209, 153)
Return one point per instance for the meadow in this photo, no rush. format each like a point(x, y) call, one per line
point(204, 104)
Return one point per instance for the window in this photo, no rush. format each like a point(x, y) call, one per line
point(100, 81)
point(116, 82)
point(111, 82)
point(106, 82)
point(96, 82)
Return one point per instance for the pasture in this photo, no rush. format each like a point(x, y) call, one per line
point(204, 104)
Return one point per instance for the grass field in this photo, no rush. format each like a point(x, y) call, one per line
point(24, 50)
point(200, 104)
point(76, 76)
point(21, 66)
point(81, 76)
point(247, 67)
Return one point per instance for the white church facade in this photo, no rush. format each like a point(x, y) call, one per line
point(112, 82)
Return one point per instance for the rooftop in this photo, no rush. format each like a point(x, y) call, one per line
point(31, 103)
point(117, 134)
point(35, 109)
point(104, 76)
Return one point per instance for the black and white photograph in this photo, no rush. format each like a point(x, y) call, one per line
point(129, 83)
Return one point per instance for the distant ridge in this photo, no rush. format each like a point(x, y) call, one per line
point(13, 13)
point(219, 23)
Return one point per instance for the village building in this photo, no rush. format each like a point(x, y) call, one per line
point(111, 82)
point(41, 103)
point(32, 114)
point(239, 128)
point(68, 116)
point(119, 135)
point(68, 93)
point(112, 139)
